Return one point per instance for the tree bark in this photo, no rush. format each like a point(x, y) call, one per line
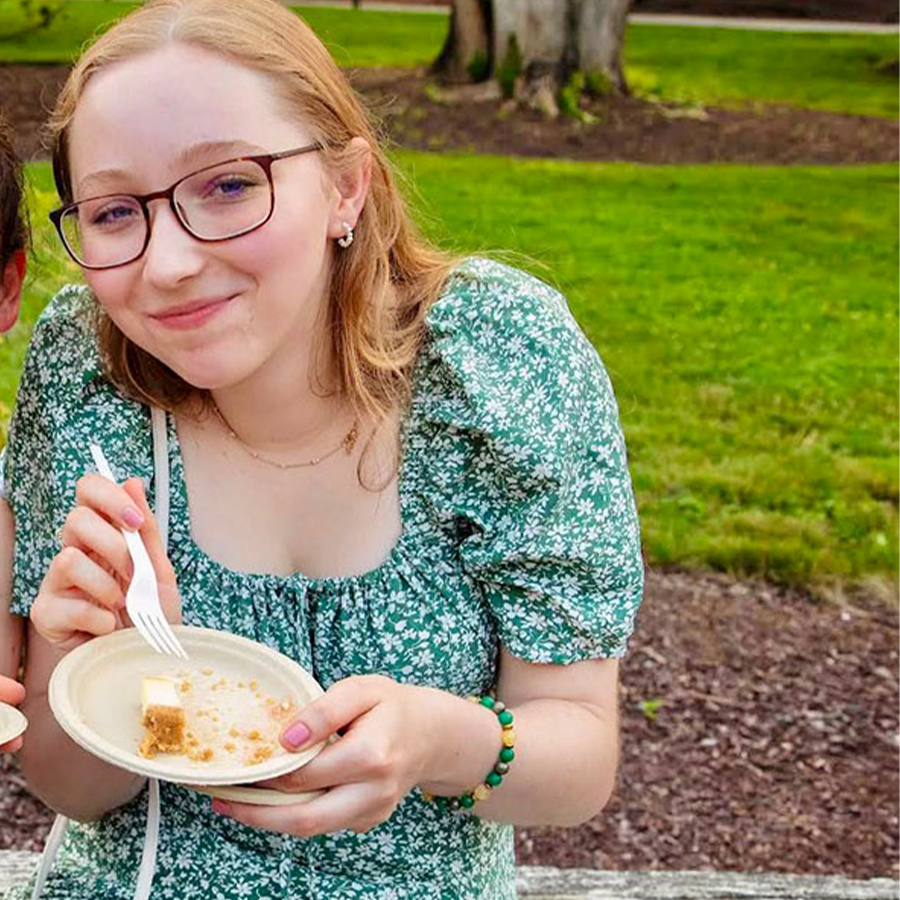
point(468, 43)
point(546, 40)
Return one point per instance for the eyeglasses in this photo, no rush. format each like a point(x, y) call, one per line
point(216, 203)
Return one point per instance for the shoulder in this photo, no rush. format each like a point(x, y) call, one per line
point(69, 310)
point(486, 295)
point(508, 342)
point(64, 396)
point(63, 356)
point(507, 374)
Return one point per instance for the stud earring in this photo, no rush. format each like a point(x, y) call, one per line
point(347, 239)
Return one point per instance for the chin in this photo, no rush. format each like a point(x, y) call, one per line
point(211, 379)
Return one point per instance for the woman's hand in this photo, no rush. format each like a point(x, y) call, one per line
point(387, 746)
point(83, 593)
point(11, 692)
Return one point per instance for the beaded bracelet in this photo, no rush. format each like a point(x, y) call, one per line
point(494, 778)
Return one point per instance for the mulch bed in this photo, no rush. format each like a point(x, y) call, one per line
point(768, 736)
point(629, 129)
point(769, 742)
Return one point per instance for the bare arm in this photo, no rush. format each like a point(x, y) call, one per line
point(66, 778)
point(10, 625)
point(567, 744)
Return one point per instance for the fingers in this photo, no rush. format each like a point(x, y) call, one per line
point(73, 571)
point(149, 530)
point(83, 591)
point(11, 692)
point(342, 703)
point(14, 745)
point(110, 500)
point(85, 529)
point(60, 623)
point(348, 760)
point(350, 806)
point(77, 599)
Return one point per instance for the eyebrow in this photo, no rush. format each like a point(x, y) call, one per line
point(190, 154)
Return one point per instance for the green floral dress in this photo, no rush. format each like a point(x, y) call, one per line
point(519, 528)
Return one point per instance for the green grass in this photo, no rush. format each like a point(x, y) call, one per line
point(366, 38)
point(63, 40)
point(837, 72)
point(747, 316)
point(725, 67)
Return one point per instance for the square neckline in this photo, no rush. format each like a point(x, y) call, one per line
point(178, 491)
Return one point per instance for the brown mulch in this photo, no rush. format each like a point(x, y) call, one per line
point(767, 740)
point(629, 129)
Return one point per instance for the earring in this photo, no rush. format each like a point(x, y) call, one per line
point(347, 239)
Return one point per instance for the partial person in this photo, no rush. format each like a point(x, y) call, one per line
point(13, 240)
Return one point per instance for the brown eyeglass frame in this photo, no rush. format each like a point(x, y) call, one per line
point(264, 160)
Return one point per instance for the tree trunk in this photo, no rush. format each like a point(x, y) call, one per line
point(534, 47)
point(466, 55)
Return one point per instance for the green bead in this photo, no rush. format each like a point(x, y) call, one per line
point(501, 768)
point(507, 754)
point(494, 779)
point(442, 802)
point(505, 717)
point(487, 701)
point(467, 801)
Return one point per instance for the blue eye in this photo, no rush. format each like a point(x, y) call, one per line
point(231, 188)
point(114, 215)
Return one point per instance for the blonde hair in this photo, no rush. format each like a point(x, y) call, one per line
point(381, 286)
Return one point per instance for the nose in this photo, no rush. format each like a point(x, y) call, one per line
point(172, 255)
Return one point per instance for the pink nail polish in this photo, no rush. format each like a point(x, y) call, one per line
point(132, 518)
point(296, 735)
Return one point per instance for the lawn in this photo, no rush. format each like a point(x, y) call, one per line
point(747, 316)
point(837, 72)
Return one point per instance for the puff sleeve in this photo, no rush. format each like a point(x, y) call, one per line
point(529, 454)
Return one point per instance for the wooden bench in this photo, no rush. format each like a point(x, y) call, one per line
point(541, 883)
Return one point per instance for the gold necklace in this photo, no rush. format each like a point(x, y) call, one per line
point(348, 442)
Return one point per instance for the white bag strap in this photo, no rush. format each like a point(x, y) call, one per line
point(151, 833)
point(54, 839)
point(161, 471)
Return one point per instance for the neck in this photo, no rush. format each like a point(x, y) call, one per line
point(289, 404)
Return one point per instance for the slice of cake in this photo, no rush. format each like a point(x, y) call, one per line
point(162, 716)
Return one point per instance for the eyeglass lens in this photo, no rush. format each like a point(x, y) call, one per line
point(216, 203)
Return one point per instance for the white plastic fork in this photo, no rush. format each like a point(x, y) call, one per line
point(142, 596)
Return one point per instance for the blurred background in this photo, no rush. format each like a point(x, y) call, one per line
point(713, 184)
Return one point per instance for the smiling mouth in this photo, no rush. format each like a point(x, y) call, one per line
point(191, 314)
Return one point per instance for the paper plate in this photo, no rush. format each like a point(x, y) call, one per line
point(12, 723)
point(95, 695)
point(259, 796)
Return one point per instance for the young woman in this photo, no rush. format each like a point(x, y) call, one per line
point(13, 237)
point(405, 471)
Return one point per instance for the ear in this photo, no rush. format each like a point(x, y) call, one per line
point(11, 279)
point(351, 188)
